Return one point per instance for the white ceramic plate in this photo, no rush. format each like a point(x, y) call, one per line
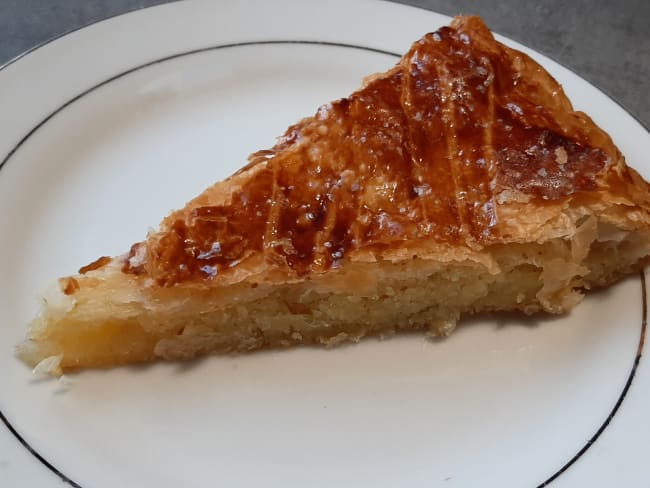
point(108, 128)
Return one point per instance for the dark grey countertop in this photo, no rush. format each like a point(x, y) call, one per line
point(605, 42)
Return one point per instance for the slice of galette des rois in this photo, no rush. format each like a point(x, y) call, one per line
point(459, 181)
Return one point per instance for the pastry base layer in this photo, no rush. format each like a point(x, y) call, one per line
point(113, 319)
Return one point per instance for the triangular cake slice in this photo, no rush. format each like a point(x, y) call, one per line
point(459, 181)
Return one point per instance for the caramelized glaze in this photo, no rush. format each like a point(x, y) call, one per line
point(96, 264)
point(69, 285)
point(421, 152)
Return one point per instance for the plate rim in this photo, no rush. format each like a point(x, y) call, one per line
point(639, 352)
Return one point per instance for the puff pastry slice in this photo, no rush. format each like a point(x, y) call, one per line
point(460, 181)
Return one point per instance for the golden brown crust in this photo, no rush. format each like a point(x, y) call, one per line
point(442, 149)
